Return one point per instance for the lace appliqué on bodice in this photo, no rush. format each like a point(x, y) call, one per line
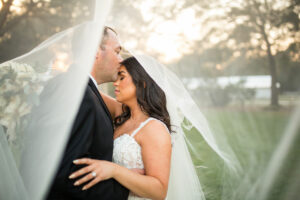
point(127, 153)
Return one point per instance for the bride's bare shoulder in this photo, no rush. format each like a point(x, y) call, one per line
point(156, 131)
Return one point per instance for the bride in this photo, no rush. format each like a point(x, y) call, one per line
point(141, 139)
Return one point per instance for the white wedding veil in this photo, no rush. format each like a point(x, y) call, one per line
point(236, 153)
point(184, 182)
point(40, 94)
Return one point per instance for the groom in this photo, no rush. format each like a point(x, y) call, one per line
point(92, 131)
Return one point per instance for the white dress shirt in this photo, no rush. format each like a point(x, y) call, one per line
point(94, 81)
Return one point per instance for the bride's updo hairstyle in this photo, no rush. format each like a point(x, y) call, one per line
point(150, 97)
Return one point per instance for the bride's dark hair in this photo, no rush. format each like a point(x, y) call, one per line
point(150, 97)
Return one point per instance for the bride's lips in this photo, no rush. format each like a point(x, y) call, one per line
point(117, 91)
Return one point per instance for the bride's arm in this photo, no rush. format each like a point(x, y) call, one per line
point(156, 152)
point(114, 107)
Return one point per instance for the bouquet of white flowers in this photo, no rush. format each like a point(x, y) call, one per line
point(20, 87)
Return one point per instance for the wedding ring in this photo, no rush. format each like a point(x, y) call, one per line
point(94, 174)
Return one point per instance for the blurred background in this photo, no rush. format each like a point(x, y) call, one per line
point(240, 60)
point(246, 51)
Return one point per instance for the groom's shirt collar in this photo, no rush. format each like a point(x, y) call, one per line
point(94, 81)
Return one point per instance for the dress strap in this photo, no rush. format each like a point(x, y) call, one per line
point(141, 126)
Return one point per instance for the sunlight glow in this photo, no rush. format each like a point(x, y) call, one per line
point(174, 37)
point(62, 62)
point(171, 38)
point(17, 7)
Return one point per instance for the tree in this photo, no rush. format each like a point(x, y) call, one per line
point(26, 23)
point(262, 27)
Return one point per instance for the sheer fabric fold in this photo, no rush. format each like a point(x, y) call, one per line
point(40, 94)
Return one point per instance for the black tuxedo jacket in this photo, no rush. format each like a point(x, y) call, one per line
point(91, 136)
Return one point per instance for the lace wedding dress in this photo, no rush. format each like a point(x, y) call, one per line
point(127, 152)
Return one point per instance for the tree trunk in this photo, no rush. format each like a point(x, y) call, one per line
point(272, 67)
point(4, 12)
point(272, 63)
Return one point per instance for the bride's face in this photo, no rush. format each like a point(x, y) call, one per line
point(125, 89)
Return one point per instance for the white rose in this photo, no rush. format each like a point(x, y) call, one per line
point(5, 120)
point(21, 68)
point(24, 109)
point(13, 105)
point(9, 86)
point(3, 102)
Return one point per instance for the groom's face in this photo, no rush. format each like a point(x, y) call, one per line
point(108, 59)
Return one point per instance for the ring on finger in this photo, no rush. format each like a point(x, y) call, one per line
point(94, 174)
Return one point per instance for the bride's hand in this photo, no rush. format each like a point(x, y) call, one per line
point(98, 170)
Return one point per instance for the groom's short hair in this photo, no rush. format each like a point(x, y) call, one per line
point(105, 35)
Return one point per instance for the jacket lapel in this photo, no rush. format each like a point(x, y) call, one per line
point(95, 90)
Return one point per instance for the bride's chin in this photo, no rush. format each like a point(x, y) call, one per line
point(118, 100)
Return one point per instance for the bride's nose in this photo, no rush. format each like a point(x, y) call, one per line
point(116, 83)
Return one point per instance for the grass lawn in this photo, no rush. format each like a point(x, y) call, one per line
point(253, 136)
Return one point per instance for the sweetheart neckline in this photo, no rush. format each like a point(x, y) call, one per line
point(129, 136)
point(122, 135)
point(125, 134)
